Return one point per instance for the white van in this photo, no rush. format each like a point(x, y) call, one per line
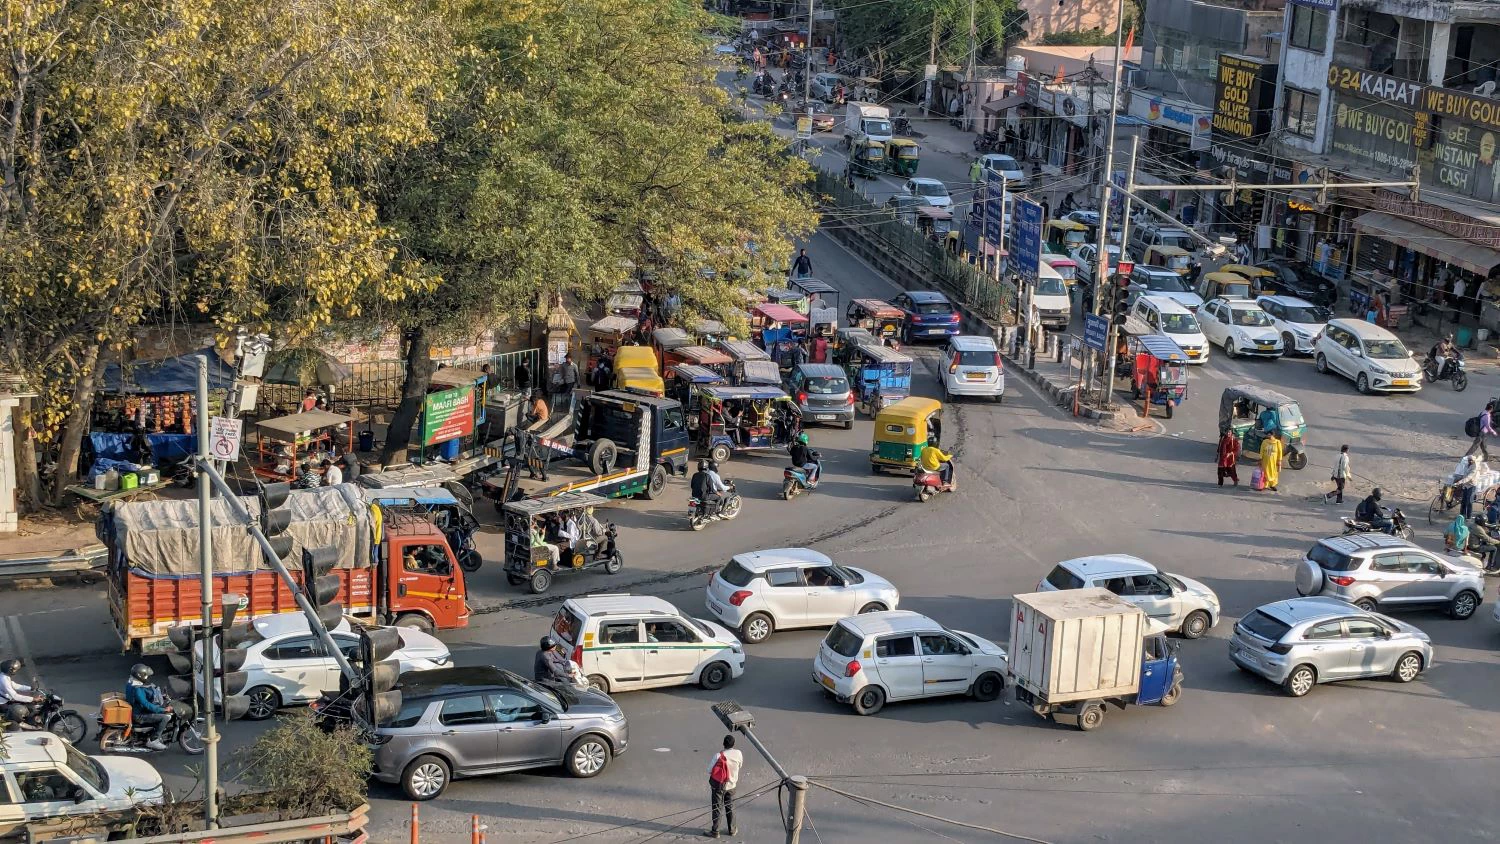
point(1167, 317)
point(625, 642)
point(1050, 298)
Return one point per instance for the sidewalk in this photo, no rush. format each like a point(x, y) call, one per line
point(1059, 383)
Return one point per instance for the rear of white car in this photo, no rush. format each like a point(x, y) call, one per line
point(972, 366)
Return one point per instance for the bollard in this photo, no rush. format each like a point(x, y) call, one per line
point(474, 836)
point(1031, 358)
point(416, 837)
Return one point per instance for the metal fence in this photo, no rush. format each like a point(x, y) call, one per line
point(376, 385)
point(905, 253)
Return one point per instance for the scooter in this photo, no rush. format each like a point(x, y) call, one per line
point(121, 736)
point(901, 124)
point(729, 507)
point(794, 479)
point(988, 142)
point(926, 484)
point(47, 713)
point(1457, 374)
point(1399, 526)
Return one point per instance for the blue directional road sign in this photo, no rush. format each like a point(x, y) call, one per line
point(994, 208)
point(1026, 239)
point(1095, 331)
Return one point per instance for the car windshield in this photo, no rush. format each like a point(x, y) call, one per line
point(1264, 626)
point(1051, 287)
point(736, 575)
point(1164, 282)
point(932, 308)
point(843, 641)
point(1251, 318)
point(545, 695)
point(1290, 415)
point(703, 627)
point(930, 189)
point(831, 385)
point(87, 769)
point(1386, 349)
point(850, 576)
point(1179, 324)
point(877, 127)
point(1003, 163)
point(1181, 241)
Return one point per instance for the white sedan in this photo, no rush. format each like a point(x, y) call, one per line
point(930, 191)
point(1298, 320)
point(285, 663)
point(1240, 327)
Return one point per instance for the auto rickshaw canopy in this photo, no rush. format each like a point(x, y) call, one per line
point(1246, 270)
point(1162, 348)
point(639, 379)
point(1171, 257)
point(874, 308)
point(911, 415)
point(694, 374)
point(636, 357)
point(1228, 285)
point(743, 350)
point(700, 356)
point(613, 325)
point(530, 508)
point(670, 338)
point(903, 148)
point(774, 312)
point(1255, 395)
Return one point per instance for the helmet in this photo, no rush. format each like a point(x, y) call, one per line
point(548, 643)
point(703, 465)
point(802, 438)
point(10, 667)
point(713, 465)
point(140, 671)
point(1375, 493)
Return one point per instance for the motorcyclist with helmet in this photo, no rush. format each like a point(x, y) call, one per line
point(803, 459)
point(550, 665)
point(1371, 512)
point(16, 697)
point(147, 707)
point(708, 487)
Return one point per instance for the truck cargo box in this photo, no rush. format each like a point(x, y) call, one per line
point(1075, 644)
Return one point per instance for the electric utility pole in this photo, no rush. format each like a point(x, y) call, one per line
point(737, 720)
point(972, 97)
point(807, 66)
point(1106, 183)
point(206, 598)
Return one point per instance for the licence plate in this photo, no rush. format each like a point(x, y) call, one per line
point(715, 606)
point(974, 376)
point(1193, 353)
point(826, 681)
point(937, 331)
point(1400, 382)
point(824, 417)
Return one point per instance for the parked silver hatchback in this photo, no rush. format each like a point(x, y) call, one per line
point(1302, 642)
point(1378, 571)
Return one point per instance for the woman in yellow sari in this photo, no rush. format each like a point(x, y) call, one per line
point(1271, 454)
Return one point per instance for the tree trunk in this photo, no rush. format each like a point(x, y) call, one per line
point(418, 377)
point(80, 409)
point(28, 482)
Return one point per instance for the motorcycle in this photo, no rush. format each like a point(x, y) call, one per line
point(988, 142)
point(1457, 374)
point(901, 124)
point(47, 713)
point(926, 484)
point(794, 479)
point(121, 736)
point(1399, 526)
point(728, 508)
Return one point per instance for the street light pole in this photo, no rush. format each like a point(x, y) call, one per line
point(206, 597)
point(807, 66)
point(973, 68)
point(1106, 189)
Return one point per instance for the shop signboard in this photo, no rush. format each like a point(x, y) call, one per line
point(1173, 114)
point(1244, 93)
point(1375, 134)
point(994, 208)
point(1462, 161)
point(1375, 86)
point(447, 415)
point(1483, 112)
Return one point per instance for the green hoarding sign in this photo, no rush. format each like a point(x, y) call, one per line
point(447, 415)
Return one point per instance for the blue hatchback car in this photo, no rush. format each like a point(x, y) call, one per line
point(928, 315)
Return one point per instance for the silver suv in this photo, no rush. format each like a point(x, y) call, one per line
point(1306, 641)
point(465, 722)
point(1374, 570)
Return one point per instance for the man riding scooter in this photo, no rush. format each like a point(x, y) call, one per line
point(1372, 513)
point(803, 459)
point(146, 705)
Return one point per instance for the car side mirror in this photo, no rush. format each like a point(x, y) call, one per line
point(543, 716)
point(80, 796)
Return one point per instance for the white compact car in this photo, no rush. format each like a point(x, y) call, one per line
point(46, 778)
point(286, 664)
point(1010, 169)
point(1298, 320)
point(1240, 327)
point(625, 642)
point(1373, 358)
point(972, 368)
point(930, 191)
point(764, 591)
point(1177, 603)
point(869, 659)
point(1170, 319)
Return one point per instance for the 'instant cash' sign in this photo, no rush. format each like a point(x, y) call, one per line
point(447, 415)
point(1243, 95)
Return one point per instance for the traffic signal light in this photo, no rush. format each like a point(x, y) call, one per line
point(275, 519)
point(1122, 298)
point(184, 639)
point(226, 636)
point(321, 585)
point(380, 676)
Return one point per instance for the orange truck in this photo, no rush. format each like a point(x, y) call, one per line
point(394, 568)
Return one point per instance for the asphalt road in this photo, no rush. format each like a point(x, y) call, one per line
point(1234, 761)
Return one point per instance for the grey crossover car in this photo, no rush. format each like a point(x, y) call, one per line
point(1374, 570)
point(465, 722)
point(822, 393)
point(1302, 642)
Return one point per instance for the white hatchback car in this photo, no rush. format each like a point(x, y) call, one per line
point(1373, 358)
point(1010, 169)
point(1178, 603)
point(930, 191)
point(1240, 327)
point(47, 779)
point(764, 591)
point(285, 663)
point(1170, 319)
point(625, 642)
point(1298, 320)
point(973, 368)
point(869, 659)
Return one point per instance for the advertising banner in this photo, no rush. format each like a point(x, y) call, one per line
point(447, 415)
point(1244, 92)
point(1378, 135)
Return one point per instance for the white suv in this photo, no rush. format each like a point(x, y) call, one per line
point(764, 591)
point(1240, 327)
point(44, 778)
point(1368, 355)
point(625, 642)
point(972, 367)
point(869, 659)
point(1170, 319)
point(1178, 603)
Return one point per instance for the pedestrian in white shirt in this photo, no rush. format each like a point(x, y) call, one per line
point(332, 474)
point(723, 777)
point(1340, 477)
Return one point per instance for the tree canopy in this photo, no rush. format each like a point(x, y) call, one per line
point(900, 36)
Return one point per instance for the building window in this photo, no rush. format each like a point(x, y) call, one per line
point(1301, 115)
point(1309, 28)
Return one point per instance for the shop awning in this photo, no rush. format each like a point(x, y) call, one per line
point(164, 377)
point(1419, 238)
point(997, 106)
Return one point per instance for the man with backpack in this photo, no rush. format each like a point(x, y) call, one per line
point(723, 776)
point(1479, 427)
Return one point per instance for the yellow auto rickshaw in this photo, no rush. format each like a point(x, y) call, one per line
point(1229, 285)
point(1066, 235)
point(901, 156)
point(639, 379)
point(902, 430)
point(1172, 257)
point(1262, 281)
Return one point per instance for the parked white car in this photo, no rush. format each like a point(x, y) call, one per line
point(1179, 604)
point(869, 659)
point(972, 367)
point(1166, 317)
point(1370, 356)
point(46, 778)
point(930, 191)
point(1298, 321)
point(625, 642)
point(1015, 175)
point(286, 664)
point(761, 592)
point(1240, 327)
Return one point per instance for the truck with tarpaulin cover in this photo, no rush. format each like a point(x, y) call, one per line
point(393, 568)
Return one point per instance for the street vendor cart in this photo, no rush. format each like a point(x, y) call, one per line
point(285, 443)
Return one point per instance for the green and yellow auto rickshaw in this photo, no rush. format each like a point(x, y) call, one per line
point(902, 430)
point(901, 155)
point(866, 159)
point(1254, 413)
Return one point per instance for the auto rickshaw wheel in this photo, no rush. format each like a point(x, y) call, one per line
point(614, 563)
point(719, 453)
point(470, 560)
point(1297, 460)
point(540, 580)
point(514, 579)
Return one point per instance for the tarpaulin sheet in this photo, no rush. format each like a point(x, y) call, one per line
point(164, 377)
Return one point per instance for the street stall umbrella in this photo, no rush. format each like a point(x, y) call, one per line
point(305, 368)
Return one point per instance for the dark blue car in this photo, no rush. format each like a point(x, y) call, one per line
point(928, 315)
